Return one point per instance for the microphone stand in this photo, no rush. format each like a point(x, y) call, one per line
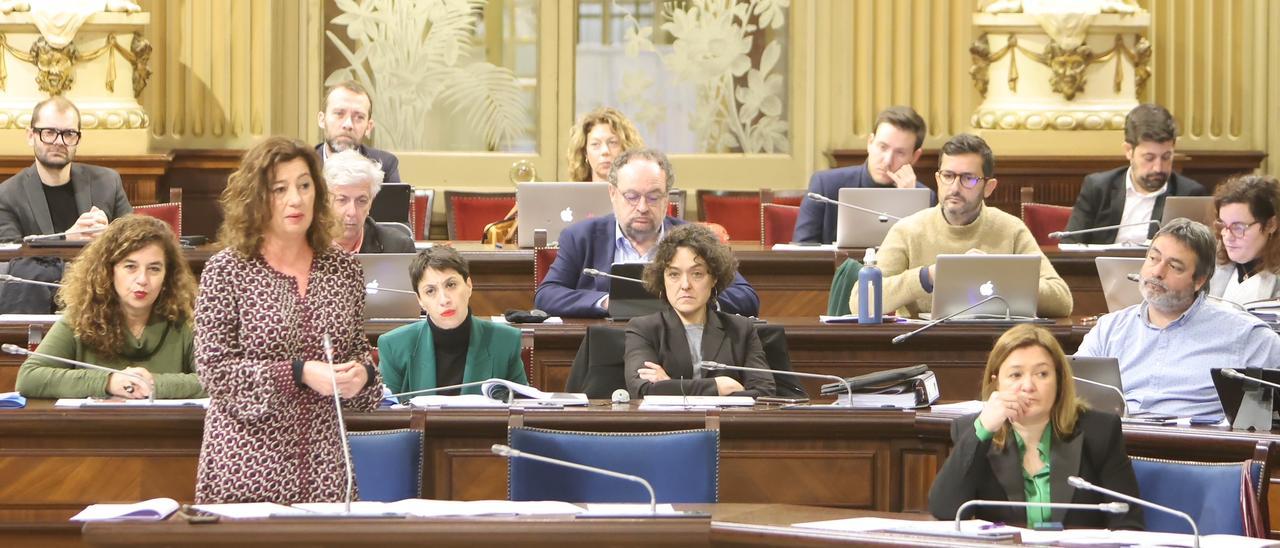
point(1108, 507)
point(15, 279)
point(882, 216)
point(34, 237)
point(598, 274)
point(15, 349)
point(1080, 483)
point(374, 290)
point(714, 366)
point(342, 424)
point(903, 337)
point(1064, 233)
point(510, 393)
point(1108, 387)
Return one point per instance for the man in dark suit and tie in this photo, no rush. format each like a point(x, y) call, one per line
point(892, 147)
point(639, 183)
point(346, 120)
point(1135, 193)
point(55, 195)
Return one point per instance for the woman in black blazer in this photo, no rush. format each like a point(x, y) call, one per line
point(690, 267)
point(1031, 435)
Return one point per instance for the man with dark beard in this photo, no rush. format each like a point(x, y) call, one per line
point(346, 120)
point(54, 195)
point(1167, 343)
point(1133, 194)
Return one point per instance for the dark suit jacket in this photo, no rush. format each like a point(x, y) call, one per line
point(728, 339)
point(384, 239)
point(566, 291)
point(976, 470)
point(390, 164)
point(817, 220)
point(24, 211)
point(1101, 203)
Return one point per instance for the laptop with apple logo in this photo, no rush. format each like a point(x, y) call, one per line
point(964, 280)
point(554, 206)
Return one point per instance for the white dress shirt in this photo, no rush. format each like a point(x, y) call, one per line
point(1137, 208)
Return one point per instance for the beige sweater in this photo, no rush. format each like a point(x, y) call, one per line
point(916, 241)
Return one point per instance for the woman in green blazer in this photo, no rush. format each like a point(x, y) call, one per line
point(451, 346)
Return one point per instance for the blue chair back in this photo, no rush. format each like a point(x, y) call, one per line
point(1212, 493)
point(682, 466)
point(388, 464)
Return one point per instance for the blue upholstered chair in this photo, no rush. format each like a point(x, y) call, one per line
point(388, 464)
point(1222, 497)
point(682, 466)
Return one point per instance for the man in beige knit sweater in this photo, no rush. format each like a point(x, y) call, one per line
point(960, 223)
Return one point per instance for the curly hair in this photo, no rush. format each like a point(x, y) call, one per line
point(579, 169)
point(1066, 406)
point(1261, 193)
point(721, 263)
point(246, 201)
point(88, 294)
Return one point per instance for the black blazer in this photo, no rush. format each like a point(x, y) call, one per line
point(727, 338)
point(387, 162)
point(1101, 203)
point(976, 470)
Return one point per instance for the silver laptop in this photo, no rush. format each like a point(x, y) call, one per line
point(553, 206)
point(856, 228)
point(963, 280)
point(1120, 291)
point(384, 271)
point(1098, 383)
point(1197, 208)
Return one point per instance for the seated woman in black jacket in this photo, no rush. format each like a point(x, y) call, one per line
point(1031, 435)
point(690, 267)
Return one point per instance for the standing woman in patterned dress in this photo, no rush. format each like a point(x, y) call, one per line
point(265, 304)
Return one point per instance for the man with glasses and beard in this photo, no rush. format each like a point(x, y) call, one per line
point(960, 223)
point(346, 120)
point(54, 195)
point(1167, 343)
point(1133, 194)
point(640, 181)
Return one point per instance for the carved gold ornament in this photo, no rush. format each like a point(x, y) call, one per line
point(1066, 65)
point(54, 65)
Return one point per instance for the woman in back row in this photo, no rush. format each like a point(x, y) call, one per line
point(1248, 245)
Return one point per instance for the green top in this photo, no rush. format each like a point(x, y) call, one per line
point(165, 350)
point(1035, 486)
point(407, 357)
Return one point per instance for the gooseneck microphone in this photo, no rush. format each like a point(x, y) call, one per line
point(15, 349)
point(1007, 315)
point(1081, 483)
point(34, 237)
point(342, 422)
point(372, 288)
point(510, 393)
point(1107, 387)
point(1064, 233)
point(598, 274)
point(505, 451)
point(1108, 507)
point(714, 366)
point(14, 279)
point(881, 216)
point(1235, 374)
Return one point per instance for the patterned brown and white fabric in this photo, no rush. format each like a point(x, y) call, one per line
point(265, 437)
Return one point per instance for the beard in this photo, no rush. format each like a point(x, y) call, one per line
point(1152, 182)
point(341, 143)
point(52, 161)
point(1159, 296)
point(641, 234)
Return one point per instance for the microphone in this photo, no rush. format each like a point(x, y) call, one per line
point(1108, 387)
point(1064, 233)
point(714, 366)
point(882, 216)
point(1134, 277)
point(15, 349)
point(1007, 315)
point(505, 451)
point(510, 392)
point(15, 279)
point(1080, 483)
point(1108, 507)
point(1235, 374)
point(34, 237)
point(372, 288)
point(598, 274)
point(342, 423)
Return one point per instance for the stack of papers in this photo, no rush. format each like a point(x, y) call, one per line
point(29, 318)
point(652, 403)
point(958, 408)
point(464, 401)
point(117, 402)
point(804, 247)
point(12, 400)
point(424, 508)
point(555, 320)
point(147, 510)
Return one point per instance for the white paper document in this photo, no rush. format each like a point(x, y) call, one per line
point(554, 320)
point(630, 510)
point(1094, 537)
point(803, 247)
point(681, 402)
point(147, 510)
point(862, 525)
point(248, 510)
point(526, 392)
point(958, 408)
point(464, 401)
point(29, 318)
point(115, 402)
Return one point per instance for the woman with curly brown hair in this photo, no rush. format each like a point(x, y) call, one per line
point(599, 137)
point(1248, 233)
point(127, 305)
point(267, 302)
point(663, 349)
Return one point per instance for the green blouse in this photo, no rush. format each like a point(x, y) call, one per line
point(165, 349)
point(1035, 486)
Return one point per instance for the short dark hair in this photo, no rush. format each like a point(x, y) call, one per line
point(904, 118)
point(968, 143)
point(721, 263)
point(349, 85)
point(59, 103)
point(1197, 237)
point(653, 155)
point(438, 257)
point(1149, 122)
point(1261, 193)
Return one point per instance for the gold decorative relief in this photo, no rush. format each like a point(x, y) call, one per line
point(1067, 68)
point(54, 65)
point(1066, 65)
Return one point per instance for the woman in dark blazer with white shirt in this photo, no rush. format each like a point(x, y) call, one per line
point(689, 269)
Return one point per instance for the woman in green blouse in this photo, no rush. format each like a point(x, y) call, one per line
point(127, 302)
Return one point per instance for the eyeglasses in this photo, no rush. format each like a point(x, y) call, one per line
point(1237, 229)
point(967, 180)
point(49, 136)
point(651, 199)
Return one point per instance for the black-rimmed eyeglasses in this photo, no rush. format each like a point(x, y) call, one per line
point(967, 180)
point(49, 135)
